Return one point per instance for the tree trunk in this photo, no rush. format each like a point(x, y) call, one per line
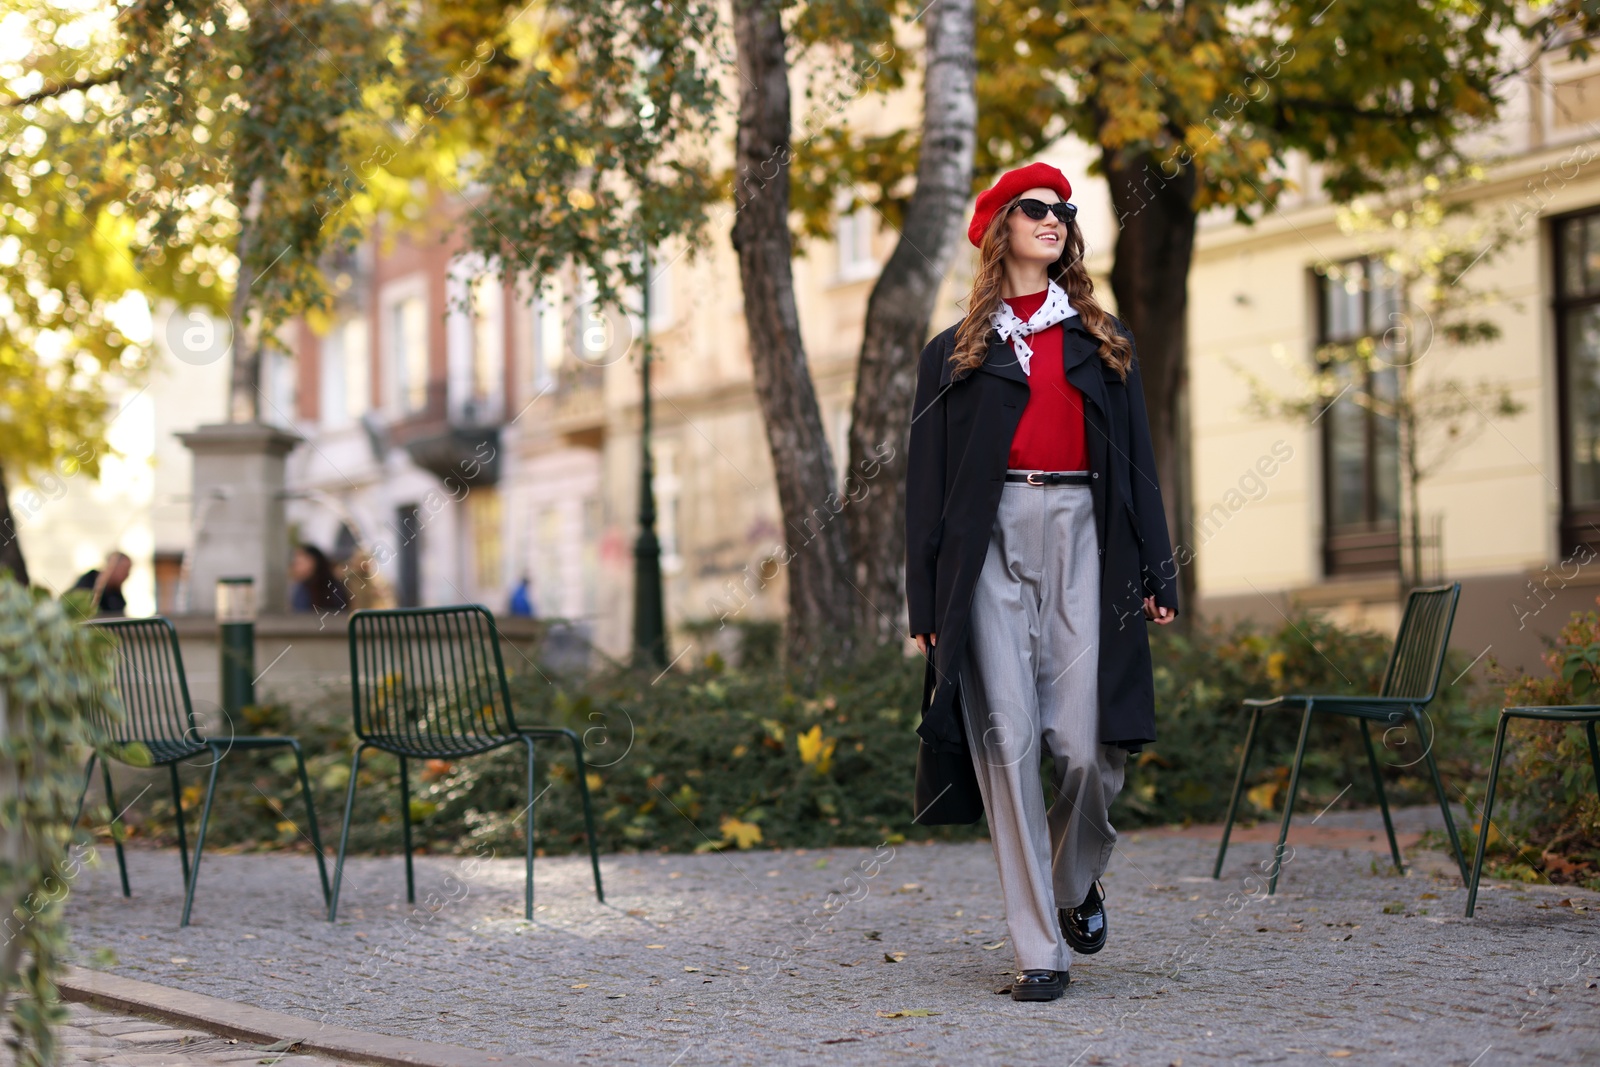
point(815, 552)
point(244, 385)
point(897, 320)
point(1150, 279)
point(10, 541)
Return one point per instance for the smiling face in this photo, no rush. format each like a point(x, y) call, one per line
point(1037, 240)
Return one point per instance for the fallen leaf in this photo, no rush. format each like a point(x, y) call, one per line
point(996, 945)
point(691, 970)
point(1340, 1053)
point(281, 1046)
point(655, 946)
point(908, 1013)
point(615, 996)
point(581, 985)
point(873, 935)
point(893, 957)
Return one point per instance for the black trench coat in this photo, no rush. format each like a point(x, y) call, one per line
point(958, 453)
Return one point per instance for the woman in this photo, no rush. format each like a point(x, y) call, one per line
point(1036, 547)
point(316, 587)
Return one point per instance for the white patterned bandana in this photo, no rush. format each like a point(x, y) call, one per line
point(1055, 308)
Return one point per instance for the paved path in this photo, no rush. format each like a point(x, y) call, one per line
point(886, 956)
point(115, 1039)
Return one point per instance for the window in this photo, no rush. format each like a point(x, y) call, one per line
point(661, 314)
point(483, 505)
point(278, 380)
point(1360, 448)
point(475, 332)
point(667, 488)
point(853, 238)
point(1577, 309)
point(539, 337)
point(344, 378)
point(405, 326)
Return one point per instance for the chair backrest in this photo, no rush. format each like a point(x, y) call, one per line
point(150, 680)
point(1419, 647)
point(429, 679)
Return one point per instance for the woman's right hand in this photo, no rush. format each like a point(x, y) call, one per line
point(926, 640)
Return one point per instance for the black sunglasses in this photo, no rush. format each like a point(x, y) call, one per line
point(1038, 209)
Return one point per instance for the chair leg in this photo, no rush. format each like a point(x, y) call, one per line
point(1383, 800)
point(527, 886)
point(177, 806)
point(1238, 788)
point(588, 812)
point(1488, 813)
point(1594, 754)
point(88, 777)
point(311, 818)
point(200, 838)
point(1444, 806)
point(405, 823)
point(344, 833)
point(116, 819)
point(1288, 801)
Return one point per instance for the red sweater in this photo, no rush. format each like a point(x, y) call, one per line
point(1050, 436)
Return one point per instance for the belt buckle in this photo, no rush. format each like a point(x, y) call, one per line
point(1035, 478)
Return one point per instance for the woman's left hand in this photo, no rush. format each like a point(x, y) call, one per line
point(1159, 615)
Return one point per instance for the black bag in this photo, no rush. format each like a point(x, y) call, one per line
point(946, 790)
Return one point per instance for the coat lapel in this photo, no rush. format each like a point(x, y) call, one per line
point(1080, 352)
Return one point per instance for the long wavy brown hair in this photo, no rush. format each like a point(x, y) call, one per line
point(1068, 271)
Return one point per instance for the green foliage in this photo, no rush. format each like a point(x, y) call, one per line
point(1547, 815)
point(599, 142)
point(55, 676)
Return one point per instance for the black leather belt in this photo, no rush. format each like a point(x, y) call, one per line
point(1053, 477)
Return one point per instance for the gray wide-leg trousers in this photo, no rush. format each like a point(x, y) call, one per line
point(1031, 677)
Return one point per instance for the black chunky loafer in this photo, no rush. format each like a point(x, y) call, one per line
point(1039, 985)
point(1084, 927)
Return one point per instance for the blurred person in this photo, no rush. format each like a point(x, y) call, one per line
point(522, 599)
point(316, 588)
point(105, 584)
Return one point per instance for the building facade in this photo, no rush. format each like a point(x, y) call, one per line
point(465, 432)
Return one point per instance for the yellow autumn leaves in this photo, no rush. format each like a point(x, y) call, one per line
point(815, 751)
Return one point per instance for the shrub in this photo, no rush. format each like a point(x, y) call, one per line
point(1547, 816)
point(54, 693)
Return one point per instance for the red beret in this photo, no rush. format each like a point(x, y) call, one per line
point(1012, 182)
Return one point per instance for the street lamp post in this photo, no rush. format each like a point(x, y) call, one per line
point(649, 625)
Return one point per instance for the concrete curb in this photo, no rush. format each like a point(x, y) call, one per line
point(248, 1023)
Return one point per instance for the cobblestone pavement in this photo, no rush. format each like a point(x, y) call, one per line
point(116, 1040)
point(886, 956)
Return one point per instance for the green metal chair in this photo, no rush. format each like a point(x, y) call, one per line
point(1409, 684)
point(429, 683)
point(1588, 714)
point(158, 715)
